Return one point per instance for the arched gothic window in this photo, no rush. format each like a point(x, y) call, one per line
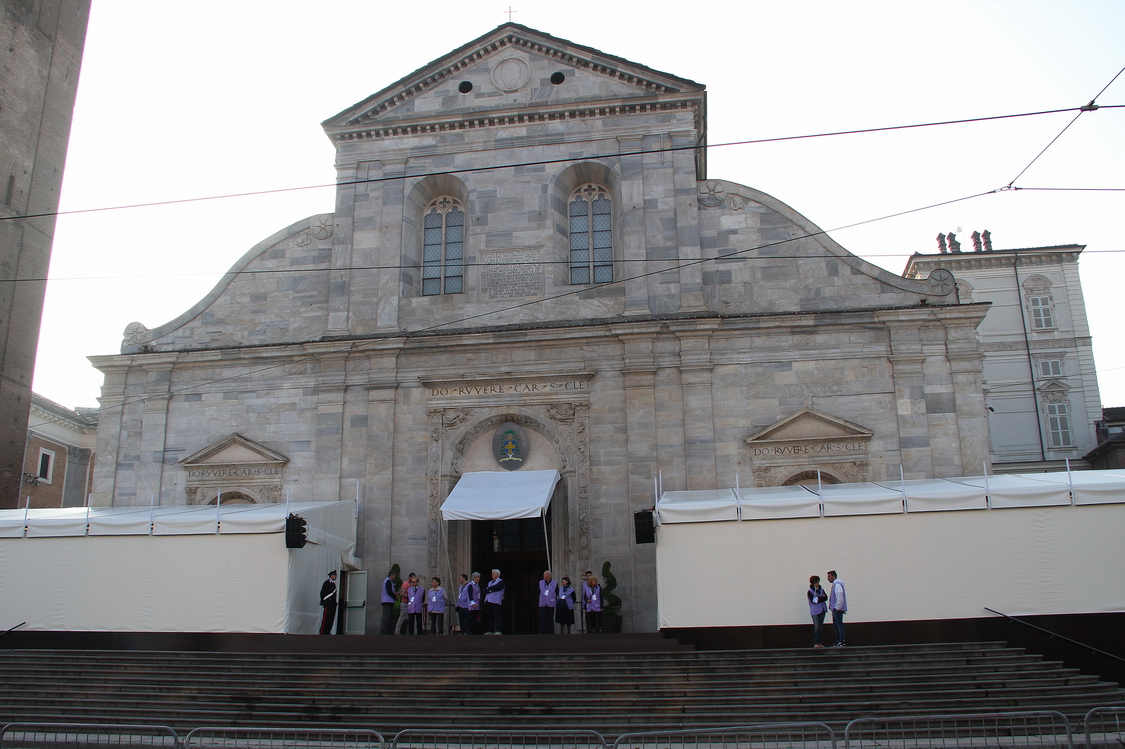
point(591, 235)
point(443, 248)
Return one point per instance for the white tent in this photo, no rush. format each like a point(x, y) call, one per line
point(1029, 544)
point(198, 568)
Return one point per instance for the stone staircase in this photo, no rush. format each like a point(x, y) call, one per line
point(602, 682)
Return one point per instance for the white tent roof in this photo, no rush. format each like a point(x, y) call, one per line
point(1014, 490)
point(768, 502)
point(330, 523)
point(859, 499)
point(698, 506)
point(885, 497)
point(1088, 487)
point(500, 495)
point(934, 495)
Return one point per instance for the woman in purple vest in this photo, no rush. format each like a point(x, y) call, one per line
point(564, 607)
point(435, 604)
point(415, 605)
point(592, 602)
point(493, 597)
point(818, 606)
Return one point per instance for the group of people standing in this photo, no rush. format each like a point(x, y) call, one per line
point(557, 603)
point(479, 607)
point(820, 603)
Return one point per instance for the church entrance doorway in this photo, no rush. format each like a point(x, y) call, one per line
point(518, 549)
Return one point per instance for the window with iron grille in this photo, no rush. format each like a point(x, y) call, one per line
point(443, 247)
point(591, 235)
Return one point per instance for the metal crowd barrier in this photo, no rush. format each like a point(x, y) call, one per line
point(419, 738)
point(86, 736)
point(271, 738)
point(1105, 724)
point(765, 736)
point(1041, 729)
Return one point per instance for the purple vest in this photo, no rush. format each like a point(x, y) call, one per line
point(566, 597)
point(495, 592)
point(414, 599)
point(388, 583)
point(592, 597)
point(463, 596)
point(840, 602)
point(474, 596)
point(435, 600)
point(547, 593)
point(820, 605)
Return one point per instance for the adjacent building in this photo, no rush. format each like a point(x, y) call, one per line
point(1040, 385)
point(42, 43)
point(530, 268)
point(59, 455)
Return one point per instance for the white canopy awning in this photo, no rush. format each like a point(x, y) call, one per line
point(1014, 490)
point(773, 502)
point(938, 495)
point(500, 495)
point(1088, 487)
point(697, 506)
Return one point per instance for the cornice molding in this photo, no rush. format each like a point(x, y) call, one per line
point(515, 118)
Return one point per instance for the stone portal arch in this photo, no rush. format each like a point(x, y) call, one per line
point(453, 431)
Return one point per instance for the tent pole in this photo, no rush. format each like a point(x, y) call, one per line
point(547, 540)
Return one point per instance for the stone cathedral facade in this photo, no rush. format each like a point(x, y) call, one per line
point(526, 233)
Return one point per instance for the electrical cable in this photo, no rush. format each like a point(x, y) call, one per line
point(1091, 107)
point(516, 165)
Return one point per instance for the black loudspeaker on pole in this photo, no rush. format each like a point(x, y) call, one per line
point(643, 528)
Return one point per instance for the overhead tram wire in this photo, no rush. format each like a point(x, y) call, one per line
point(1091, 107)
point(351, 342)
point(592, 157)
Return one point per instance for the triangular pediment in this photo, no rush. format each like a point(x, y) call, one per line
point(809, 425)
point(510, 70)
point(234, 450)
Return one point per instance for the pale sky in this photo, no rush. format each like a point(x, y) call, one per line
point(214, 97)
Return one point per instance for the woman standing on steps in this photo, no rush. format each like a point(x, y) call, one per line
point(435, 605)
point(592, 602)
point(818, 606)
point(564, 607)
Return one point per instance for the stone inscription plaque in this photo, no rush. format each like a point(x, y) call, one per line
point(504, 388)
point(511, 273)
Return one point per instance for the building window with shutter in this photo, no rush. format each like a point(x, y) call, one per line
point(1042, 313)
point(1058, 425)
point(46, 465)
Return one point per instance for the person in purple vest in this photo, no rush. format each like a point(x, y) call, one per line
point(476, 602)
point(592, 602)
point(564, 607)
point(415, 605)
point(838, 603)
point(548, 592)
point(493, 597)
point(388, 601)
point(818, 605)
point(435, 605)
point(463, 592)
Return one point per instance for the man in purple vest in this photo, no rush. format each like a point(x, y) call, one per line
point(493, 597)
point(548, 594)
point(388, 601)
point(838, 605)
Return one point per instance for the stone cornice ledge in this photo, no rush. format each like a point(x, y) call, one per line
point(557, 374)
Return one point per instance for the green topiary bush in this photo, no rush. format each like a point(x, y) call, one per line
point(611, 602)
